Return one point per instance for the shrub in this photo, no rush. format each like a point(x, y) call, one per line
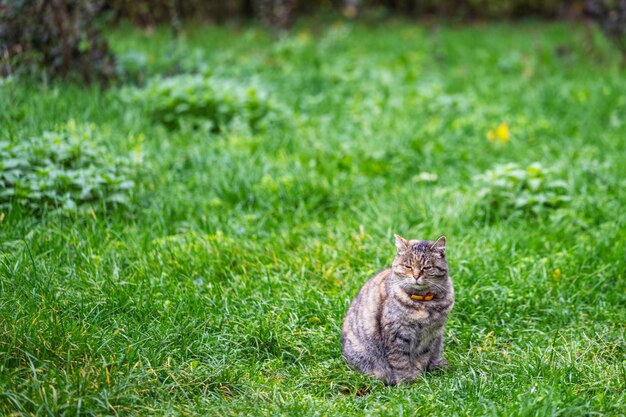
point(61, 170)
point(510, 190)
point(280, 13)
point(58, 36)
point(275, 13)
point(201, 101)
point(151, 12)
point(610, 15)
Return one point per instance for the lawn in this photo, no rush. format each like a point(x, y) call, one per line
point(218, 284)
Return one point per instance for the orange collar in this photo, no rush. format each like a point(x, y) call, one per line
point(425, 297)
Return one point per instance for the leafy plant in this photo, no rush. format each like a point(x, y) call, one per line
point(131, 66)
point(202, 101)
point(510, 190)
point(61, 170)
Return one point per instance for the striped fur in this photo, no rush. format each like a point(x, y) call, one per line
point(388, 334)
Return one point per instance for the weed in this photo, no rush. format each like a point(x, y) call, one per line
point(62, 170)
point(201, 101)
point(510, 189)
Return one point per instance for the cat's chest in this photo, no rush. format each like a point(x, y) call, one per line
point(416, 316)
point(423, 316)
point(422, 331)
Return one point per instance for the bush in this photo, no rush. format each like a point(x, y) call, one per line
point(610, 15)
point(151, 12)
point(58, 36)
point(280, 13)
point(474, 8)
point(275, 13)
point(201, 101)
point(513, 190)
point(61, 170)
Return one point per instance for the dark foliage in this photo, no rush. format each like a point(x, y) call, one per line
point(275, 13)
point(473, 8)
point(611, 17)
point(59, 36)
point(151, 12)
point(280, 13)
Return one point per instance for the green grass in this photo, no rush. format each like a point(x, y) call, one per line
point(222, 290)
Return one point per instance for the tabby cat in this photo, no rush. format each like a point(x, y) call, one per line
point(394, 328)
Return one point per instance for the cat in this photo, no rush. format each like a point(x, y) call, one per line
point(394, 328)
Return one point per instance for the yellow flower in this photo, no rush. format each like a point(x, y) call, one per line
point(304, 36)
point(556, 274)
point(500, 134)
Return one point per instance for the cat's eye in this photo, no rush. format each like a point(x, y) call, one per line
point(406, 266)
point(427, 268)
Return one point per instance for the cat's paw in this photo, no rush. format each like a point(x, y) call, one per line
point(438, 364)
point(405, 378)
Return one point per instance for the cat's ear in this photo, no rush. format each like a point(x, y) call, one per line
point(439, 246)
point(401, 243)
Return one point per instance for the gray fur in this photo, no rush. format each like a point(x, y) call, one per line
point(388, 334)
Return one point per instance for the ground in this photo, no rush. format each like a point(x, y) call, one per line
point(221, 288)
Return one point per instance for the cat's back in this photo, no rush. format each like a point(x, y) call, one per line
point(361, 337)
point(364, 312)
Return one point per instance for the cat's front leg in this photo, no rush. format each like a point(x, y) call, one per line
point(437, 361)
point(402, 370)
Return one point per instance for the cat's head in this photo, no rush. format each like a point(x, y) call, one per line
point(420, 265)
